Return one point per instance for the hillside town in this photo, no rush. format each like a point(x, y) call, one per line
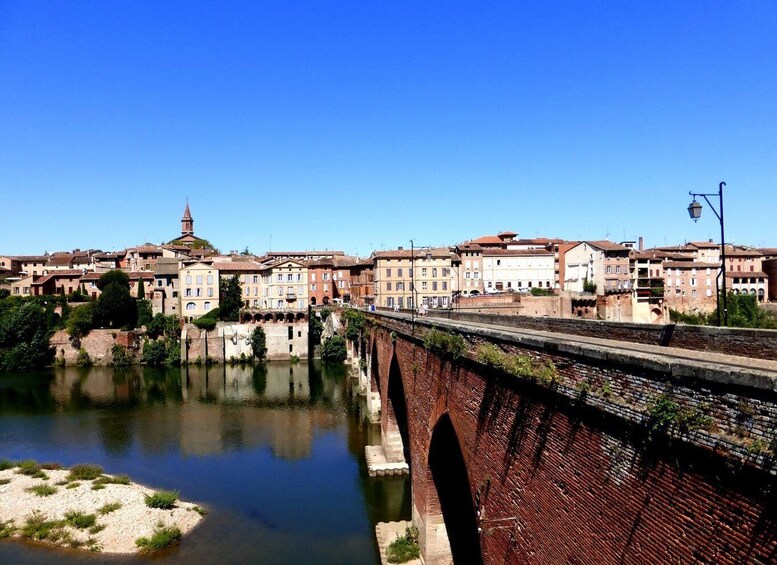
point(592, 279)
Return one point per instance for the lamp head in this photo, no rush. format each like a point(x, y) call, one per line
point(694, 210)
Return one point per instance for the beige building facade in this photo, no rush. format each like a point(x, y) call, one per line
point(199, 294)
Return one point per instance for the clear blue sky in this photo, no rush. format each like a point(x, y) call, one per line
point(360, 125)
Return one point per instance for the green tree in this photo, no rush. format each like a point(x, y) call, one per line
point(334, 350)
point(259, 343)
point(316, 329)
point(25, 330)
point(81, 320)
point(115, 308)
point(154, 353)
point(141, 289)
point(144, 312)
point(230, 299)
point(115, 276)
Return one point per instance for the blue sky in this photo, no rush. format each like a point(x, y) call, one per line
point(360, 125)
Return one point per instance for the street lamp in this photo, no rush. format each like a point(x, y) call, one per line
point(412, 281)
point(694, 211)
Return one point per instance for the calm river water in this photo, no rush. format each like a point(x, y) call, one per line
point(275, 453)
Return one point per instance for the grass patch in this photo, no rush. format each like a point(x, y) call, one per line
point(96, 529)
point(163, 536)
point(84, 472)
point(98, 486)
point(38, 527)
point(405, 547)
point(110, 507)
point(6, 464)
point(4, 481)
point(7, 529)
point(73, 484)
point(62, 483)
point(42, 490)
point(31, 468)
point(109, 480)
point(80, 520)
point(164, 499)
point(199, 510)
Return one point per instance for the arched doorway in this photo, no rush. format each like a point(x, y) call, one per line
point(452, 498)
point(312, 300)
point(396, 438)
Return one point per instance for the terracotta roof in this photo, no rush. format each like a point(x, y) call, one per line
point(148, 249)
point(487, 240)
point(731, 252)
point(187, 215)
point(689, 265)
point(31, 258)
point(768, 251)
point(745, 275)
point(607, 245)
point(61, 260)
point(91, 276)
point(469, 247)
point(644, 255)
point(517, 252)
point(704, 244)
point(166, 266)
point(67, 273)
point(149, 275)
point(237, 266)
point(313, 253)
point(437, 253)
point(507, 233)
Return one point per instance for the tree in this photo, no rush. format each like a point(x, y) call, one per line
point(81, 320)
point(24, 337)
point(115, 308)
point(259, 342)
point(144, 312)
point(115, 276)
point(230, 299)
point(334, 350)
point(141, 289)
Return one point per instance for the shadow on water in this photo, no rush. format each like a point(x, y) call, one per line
point(274, 451)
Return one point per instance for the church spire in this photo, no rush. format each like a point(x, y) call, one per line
point(187, 222)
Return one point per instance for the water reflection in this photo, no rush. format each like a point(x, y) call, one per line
point(275, 451)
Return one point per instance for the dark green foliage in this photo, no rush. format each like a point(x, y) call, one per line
point(205, 323)
point(83, 359)
point(315, 329)
point(120, 356)
point(536, 291)
point(334, 350)
point(230, 299)
point(110, 507)
point(589, 286)
point(163, 536)
point(84, 472)
point(161, 324)
point(37, 527)
point(25, 328)
point(115, 276)
point(743, 312)
point(445, 344)
point(665, 412)
point(6, 464)
point(154, 353)
point(112, 480)
point(164, 499)
point(115, 308)
point(325, 313)
point(258, 343)
point(144, 312)
point(356, 322)
point(405, 547)
point(29, 467)
point(141, 289)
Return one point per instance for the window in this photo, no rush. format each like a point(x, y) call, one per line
point(326, 287)
point(210, 292)
point(300, 290)
point(326, 276)
point(423, 272)
point(466, 275)
point(206, 306)
point(280, 291)
point(693, 293)
point(289, 277)
point(160, 283)
point(617, 269)
point(446, 272)
point(210, 279)
point(400, 286)
point(199, 279)
point(313, 287)
point(256, 279)
point(198, 292)
point(399, 272)
point(693, 281)
point(188, 279)
point(191, 306)
point(388, 286)
point(476, 274)
point(608, 269)
point(280, 277)
point(280, 304)
point(498, 261)
point(423, 285)
point(445, 285)
point(290, 290)
point(188, 292)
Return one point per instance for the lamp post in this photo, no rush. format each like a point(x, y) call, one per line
point(412, 281)
point(694, 211)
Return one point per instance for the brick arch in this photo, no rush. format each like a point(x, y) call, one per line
point(394, 420)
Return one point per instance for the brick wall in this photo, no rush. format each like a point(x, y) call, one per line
point(97, 344)
point(574, 470)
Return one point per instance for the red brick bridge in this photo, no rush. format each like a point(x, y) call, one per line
point(529, 446)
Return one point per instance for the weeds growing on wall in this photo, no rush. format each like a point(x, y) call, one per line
point(445, 344)
point(518, 364)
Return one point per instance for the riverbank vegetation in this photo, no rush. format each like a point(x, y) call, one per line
point(743, 312)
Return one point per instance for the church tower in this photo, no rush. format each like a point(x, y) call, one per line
point(187, 223)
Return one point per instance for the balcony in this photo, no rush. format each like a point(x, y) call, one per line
point(291, 296)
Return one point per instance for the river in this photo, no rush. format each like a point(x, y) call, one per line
point(274, 452)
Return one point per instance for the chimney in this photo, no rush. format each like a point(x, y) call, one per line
point(641, 243)
point(710, 240)
point(401, 248)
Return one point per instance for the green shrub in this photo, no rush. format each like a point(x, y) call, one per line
point(154, 353)
point(258, 343)
point(164, 499)
point(445, 344)
point(163, 536)
point(83, 359)
point(121, 358)
point(42, 490)
point(205, 323)
point(6, 464)
point(81, 320)
point(84, 472)
point(405, 547)
point(38, 527)
point(28, 467)
point(112, 480)
point(80, 520)
point(7, 529)
point(334, 350)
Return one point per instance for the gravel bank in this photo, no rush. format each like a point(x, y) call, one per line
point(114, 531)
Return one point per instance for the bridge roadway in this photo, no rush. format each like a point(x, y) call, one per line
point(758, 373)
